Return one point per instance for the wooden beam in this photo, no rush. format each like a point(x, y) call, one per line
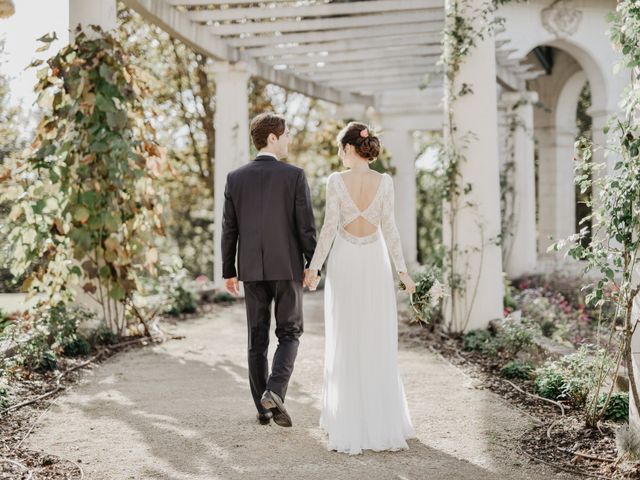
point(366, 80)
point(197, 3)
point(318, 10)
point(363, 66)
point(361, 55)
point(200, 39)
point(346, 45)
point(376, 72)
point(337, 35)
point(370, 21)
point(373, 89)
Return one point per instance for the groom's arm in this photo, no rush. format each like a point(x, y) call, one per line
point(229, 237)
point(305, 221)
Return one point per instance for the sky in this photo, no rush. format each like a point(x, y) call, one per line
point(33, 18)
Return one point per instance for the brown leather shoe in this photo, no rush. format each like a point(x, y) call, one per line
point(273, 402)
point(264, 418)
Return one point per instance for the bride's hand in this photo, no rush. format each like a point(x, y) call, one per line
point(409, 284)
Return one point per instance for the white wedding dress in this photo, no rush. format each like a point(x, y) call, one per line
point(363, 400)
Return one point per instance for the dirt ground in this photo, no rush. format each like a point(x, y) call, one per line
point(183, 410)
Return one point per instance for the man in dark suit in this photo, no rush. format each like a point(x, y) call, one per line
point(268, 221)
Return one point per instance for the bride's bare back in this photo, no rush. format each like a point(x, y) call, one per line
point(362, 187)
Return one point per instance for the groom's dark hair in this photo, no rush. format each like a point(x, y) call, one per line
point(264, 124)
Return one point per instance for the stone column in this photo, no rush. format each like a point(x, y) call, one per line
point(473, 230)
point(92, 12)
point(398, 139)
point(556, 189)
point(231, 122)
point(521, 245)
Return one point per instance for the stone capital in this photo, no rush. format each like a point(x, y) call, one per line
point(221, 71)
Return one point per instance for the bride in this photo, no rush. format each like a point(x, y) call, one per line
point(363, 399)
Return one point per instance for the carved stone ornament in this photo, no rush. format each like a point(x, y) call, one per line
point(561, 18)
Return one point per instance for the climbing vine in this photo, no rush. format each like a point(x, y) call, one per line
point(85, 203)
point(508, 193)
point(611, 252)
point(465, 25)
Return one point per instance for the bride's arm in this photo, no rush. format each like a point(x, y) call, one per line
point(389, 228)
point(329, 227)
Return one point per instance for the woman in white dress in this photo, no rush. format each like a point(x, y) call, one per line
point(363, 400)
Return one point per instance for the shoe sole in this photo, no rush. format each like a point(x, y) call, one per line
point(279, 417)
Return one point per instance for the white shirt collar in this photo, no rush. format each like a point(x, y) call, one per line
point(267, 153)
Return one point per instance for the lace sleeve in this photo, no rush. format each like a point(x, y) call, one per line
point(389, 228)
point(329, 227)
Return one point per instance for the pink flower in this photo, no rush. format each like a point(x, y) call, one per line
point(364, 133)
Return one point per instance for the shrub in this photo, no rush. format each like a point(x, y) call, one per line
point(4, 394)
point(517, 369)
point(104, 336)
point(617, 408)
point(549, 382)
point(223, 297)
point(516, 333)
point(36, 354)
point(479, 340)
point(572, 377)
point(181, 300)
point(78, 346)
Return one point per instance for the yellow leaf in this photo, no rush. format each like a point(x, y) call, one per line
point(112, 243)
point(152, 255)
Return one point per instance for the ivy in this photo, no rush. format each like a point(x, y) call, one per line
point(85, 201)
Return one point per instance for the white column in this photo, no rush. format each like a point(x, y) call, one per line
point(231, 122)
point(398, 139)
point(521, 245)
point(92, 12)
point(556, 189)
point(476, 225)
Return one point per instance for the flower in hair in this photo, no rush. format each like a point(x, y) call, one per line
point(364, 133)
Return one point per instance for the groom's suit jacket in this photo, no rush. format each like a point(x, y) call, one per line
point(268, 221)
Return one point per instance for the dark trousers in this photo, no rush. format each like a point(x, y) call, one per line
point(287, 295)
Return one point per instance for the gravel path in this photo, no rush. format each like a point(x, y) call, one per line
point(183, 410)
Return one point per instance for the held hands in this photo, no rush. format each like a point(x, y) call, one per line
point(232, 285)
point(311, 279)
point(409, 284)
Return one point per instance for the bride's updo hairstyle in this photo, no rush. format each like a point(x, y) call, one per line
point(367, 145)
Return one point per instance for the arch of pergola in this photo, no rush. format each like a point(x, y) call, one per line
point(374, 55)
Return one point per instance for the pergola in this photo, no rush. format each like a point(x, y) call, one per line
point(368, 54)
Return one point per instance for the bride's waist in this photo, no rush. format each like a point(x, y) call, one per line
point(357, 239)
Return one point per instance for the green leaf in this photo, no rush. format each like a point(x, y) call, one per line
point(81, 214)
point(117, 120)
point(117, 292)
point(39, 206)
point(112, 223)
point(105, 272)
point(48, 38)
point(105, 104)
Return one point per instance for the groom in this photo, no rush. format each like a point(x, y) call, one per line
point(268, 216)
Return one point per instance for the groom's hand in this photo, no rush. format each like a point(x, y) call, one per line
point(311, 279)
point(232, 285)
